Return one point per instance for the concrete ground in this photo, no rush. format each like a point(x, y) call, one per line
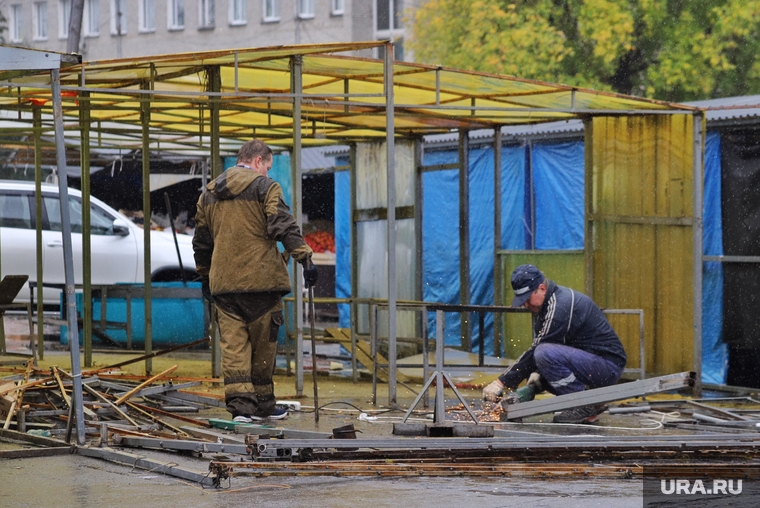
point(75, 480)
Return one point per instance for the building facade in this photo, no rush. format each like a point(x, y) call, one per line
point(131, 28)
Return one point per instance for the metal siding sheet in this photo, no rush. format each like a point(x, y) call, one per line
point(642, 167)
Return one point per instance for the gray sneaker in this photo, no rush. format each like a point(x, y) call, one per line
point(280, 413)
point(583, 414)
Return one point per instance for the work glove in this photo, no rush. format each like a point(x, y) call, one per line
point(493, 391)
point(310, 274)
point(534, 380)
point(206, 290)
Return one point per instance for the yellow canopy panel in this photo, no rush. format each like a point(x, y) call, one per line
point(239, 93)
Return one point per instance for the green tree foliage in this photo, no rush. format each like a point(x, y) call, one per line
point(3, 27)
point(666, 49)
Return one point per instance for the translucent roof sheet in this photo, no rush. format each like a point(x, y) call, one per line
point(343, 97)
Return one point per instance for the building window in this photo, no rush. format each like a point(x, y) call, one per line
point(15, 23)
point(383, 17)
point(206, 13)
point(147, 15)
point(237, 12)
point(64, 18)
point(91, 18)
point(39, 11)
point(118, 17)
point(271, 10)
point(176, 14)
point(305, 9)
point(338, 7)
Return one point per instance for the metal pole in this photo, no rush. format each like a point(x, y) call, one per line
point(296, 85)
point(37, 118)
point(68, 258)
point(215, 86)
point(698, 177)
point(75, 25)
point(312, 317)
point(391, 186)
point(354, 267)
point(498, 299)
point(148, 307)
point(418, 263)
point(84, 126)
point(464, 237)
point(590, 206)
point(440, 404)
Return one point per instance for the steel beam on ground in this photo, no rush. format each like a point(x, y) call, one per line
point(181, 445)
point(610, 443)
point(129, 459)
point(601, 395)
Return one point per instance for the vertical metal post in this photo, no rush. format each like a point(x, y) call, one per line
point(425, 352)
point(296, 88)
point(215, 85)
point(532, 196)
point(84, 150)
point(698, 176)
point(373, 308)
point(68, 258)
point(439, 415)
point(37, 118)
point(148, 304)
point(588, 234)
point(390, 144)
point(354, 264)
point(418, 196)
point(464, 237)
point(498, 298)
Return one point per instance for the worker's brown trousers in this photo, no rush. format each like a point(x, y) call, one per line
point(248, 361)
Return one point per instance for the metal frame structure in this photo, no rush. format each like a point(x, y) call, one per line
point(286, 96)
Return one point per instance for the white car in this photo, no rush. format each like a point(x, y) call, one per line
point(117, 243)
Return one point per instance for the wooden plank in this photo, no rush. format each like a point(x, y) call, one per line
point(363, 353)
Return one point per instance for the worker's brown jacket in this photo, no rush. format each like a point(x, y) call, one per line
point(240, 218)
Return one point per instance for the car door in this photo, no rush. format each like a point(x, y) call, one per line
point(18, 241)
point(114, 257)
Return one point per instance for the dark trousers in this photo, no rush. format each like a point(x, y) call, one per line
point(569, 370)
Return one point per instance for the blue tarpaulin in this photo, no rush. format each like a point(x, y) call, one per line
point(558, 170)
point(714, 350)
point(556, 191)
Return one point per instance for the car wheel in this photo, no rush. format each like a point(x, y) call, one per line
point(174, 275)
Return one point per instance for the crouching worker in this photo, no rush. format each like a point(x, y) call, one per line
point(574, 346)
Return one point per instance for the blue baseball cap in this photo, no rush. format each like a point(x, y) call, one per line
point(525, 280)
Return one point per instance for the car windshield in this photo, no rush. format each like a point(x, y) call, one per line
point(101, 223)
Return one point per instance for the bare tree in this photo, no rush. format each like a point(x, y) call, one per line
point(75, 26)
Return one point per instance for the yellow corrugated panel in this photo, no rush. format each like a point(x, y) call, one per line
point(642, 207)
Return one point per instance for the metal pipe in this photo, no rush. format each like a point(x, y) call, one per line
point(354, 266)
point(464, 238)
point(440, 405)
point(497, 275)
point(68, 258)
point(84, 151)
point(148, 304)
point(37, 119)
point(296, 88)
point(698, 183)
point(391, 189)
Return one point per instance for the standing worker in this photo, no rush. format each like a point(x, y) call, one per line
point(239, 220)
point(574, 346)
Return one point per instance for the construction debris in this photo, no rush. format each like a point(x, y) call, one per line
point(162, 415)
